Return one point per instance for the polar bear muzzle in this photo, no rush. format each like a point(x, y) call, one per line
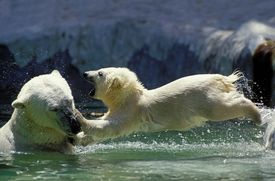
point(69, 121)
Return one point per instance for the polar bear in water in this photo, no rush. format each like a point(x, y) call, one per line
point(180, 105)
point(43, 117)
point(269, 135)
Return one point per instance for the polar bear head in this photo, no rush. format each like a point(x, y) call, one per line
point(47, 106)
point(113, 84)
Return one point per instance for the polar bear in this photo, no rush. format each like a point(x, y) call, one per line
point(43, 117)
point(269, 134)
point(180, 105)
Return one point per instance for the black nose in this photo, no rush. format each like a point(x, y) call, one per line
point(85, 74)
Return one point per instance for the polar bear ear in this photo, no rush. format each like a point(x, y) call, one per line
point(19, 104)
point(56, 72)
point(116, 83)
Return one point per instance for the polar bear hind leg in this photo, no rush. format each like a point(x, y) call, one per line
point(228, 103)
point(236, 108)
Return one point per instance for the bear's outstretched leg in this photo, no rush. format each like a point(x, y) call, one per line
point(239, 107)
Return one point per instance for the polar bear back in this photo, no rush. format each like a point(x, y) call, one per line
point(200, 82)
point(190, 100)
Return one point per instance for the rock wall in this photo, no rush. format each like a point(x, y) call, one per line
point(159, 40)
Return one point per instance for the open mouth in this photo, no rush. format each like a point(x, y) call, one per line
point(69, 121)
point(74, 129)
point(91, 81)
point(92, 91)
point(93, 88)
point(74, 126)
point(71, 140)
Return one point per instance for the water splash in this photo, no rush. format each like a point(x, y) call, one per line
point(268, 120)
point(244, 86)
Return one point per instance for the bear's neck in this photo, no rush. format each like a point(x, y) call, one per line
point(122, 100)
point(26, 132)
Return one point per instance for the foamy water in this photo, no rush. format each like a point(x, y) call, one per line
point(230, 150)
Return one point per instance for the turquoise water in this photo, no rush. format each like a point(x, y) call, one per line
point(220, 151)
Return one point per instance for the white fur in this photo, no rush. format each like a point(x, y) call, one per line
point(180, 105)
point(269, 135)
point(36, 121)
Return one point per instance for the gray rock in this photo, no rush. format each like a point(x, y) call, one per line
point(159, 40)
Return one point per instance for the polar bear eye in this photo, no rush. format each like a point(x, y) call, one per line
point(100, 74)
